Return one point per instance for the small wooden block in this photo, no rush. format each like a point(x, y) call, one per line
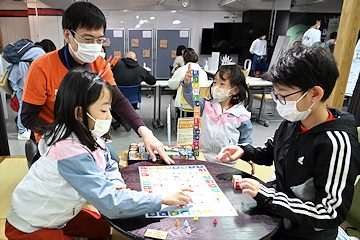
point(235, 181)
point(152, 233)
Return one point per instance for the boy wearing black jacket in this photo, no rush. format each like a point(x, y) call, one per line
point(315, 150)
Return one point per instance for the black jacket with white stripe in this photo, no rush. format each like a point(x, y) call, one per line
point(315, 175)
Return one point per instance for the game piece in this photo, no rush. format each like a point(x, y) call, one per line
point(196, 218)
point(220, 155)
point(215, 221)
point(235, 181)
point(152, 233)
point(177, 222)
point(188, 230)
point(186, 224)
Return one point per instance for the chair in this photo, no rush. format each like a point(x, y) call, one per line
point(266, 98)
point(133, 94)
point(171, 68)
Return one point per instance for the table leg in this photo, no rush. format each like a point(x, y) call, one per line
point(259, 118)
point(160, 123)
point(154, 120)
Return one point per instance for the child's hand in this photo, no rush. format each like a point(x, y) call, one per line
point(119, 186)
point(249, 186)
point(229, 154)
point(252, 167)
point(176, 197)
point(188, 75)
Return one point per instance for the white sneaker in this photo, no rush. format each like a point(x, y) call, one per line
point(24, 136)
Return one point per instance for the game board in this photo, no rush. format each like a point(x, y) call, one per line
point(208, 198)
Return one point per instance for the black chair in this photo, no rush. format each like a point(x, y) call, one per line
point(31, 151)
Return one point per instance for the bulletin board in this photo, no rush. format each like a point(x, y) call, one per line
point(144, 46)
point(117, 41)
point(170, 39)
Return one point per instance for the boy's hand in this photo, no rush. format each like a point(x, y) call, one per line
point(229, 154)
point(176, 197)
point(188, 75)
point(249, 186)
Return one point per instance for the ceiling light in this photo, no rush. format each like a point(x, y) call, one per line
point(226, 2)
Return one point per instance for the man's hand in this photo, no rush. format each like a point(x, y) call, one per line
point(249, 186)
point(152, 143)
point(188, 75)
point(252, 167)
point(229, 154)
point(176, 197)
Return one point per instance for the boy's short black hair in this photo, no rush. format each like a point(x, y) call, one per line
point(83, 15)
point(47, 45)
point(305, 67)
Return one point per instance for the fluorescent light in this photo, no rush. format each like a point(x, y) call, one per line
point(226, 2)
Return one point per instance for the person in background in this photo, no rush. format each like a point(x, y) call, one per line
point(225, 120)
point(128, 72)
point(179, 60)
point(333, 37)
point(315, 150)
point(190, 56)
point(313, 34)
point(76, 168)
point(258, 48)
point(47, 45)
point(103, 52)
point(84, 26)
point(17, 77)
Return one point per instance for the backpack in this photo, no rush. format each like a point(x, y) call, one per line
point(12, 53)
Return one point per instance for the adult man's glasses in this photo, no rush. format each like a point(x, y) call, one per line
point(100, 40)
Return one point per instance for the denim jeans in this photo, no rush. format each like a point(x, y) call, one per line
point(19, 92)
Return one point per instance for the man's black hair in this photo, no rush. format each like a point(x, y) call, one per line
point(305, 67)
point(83, 15)
point(190, 56)
point(47, 45)
point(314, 19)
point(333, 35)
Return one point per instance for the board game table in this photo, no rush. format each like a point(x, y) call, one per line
point(251, 222)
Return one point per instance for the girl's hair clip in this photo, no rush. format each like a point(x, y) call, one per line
point(227, 61)
point(93, 81)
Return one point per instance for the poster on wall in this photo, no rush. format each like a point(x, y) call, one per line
point(163, 43)
point(135, 42)
point(354, 71)
point(185, 131)
point(332, 26)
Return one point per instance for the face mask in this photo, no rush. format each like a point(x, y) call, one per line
point(219, 94)
point(290, 112)
point(263, 37)
point(87, 52)
point(101, 126)
point(319, 26)
point(103, 55)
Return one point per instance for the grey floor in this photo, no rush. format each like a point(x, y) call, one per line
point(122, 139)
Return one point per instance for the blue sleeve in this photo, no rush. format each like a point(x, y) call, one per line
point(188, 95)
point(112, 168)
point(245, 130)
point(82, 173)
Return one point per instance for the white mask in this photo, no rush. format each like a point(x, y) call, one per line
point(318, 26)
point(103, 55)
point(263, 37)
point(219, 94)
point(87, 52)
point(290, 112)
point(101, 126)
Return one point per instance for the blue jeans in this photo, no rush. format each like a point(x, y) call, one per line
point(18, 92)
